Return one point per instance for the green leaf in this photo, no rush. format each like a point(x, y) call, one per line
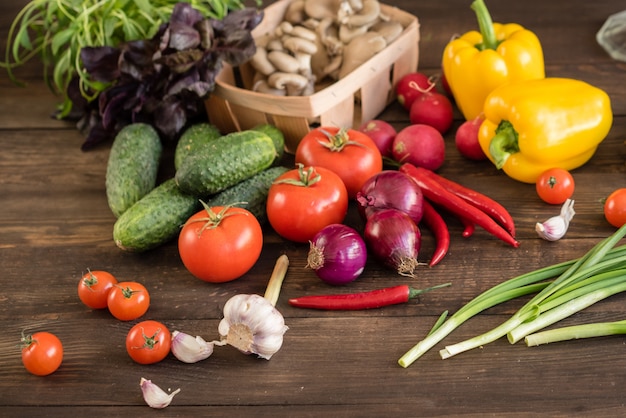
point(61, 39)
point(62, 70)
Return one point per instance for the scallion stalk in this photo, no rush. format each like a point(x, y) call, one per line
point(571, 303)
point(576, 272)
point(599, 329)
point(604, 256)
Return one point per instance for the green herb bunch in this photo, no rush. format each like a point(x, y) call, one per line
point(57, 30)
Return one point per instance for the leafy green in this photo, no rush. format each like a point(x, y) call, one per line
point(51, 28)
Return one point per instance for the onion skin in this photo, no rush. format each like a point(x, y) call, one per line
point(393, 238)
point(391, 189)
point(337, 254)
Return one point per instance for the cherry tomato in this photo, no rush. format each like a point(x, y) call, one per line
point(148, 342)
point(94, 287)
point(555, 186)
point(42, 353)
point(303, 201)
point(349, 153)
point(220, 245)
point(128, 300)
point(615, 208)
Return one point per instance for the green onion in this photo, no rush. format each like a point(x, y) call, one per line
point(598, 329)
point(593, 271)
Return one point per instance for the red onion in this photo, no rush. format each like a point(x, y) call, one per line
point(390, 189)
point(337, 254)
point(393, 237)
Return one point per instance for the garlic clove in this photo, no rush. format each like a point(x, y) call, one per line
point(555, 228)
point(252, 325)
point(188, 349)
point(154, 396)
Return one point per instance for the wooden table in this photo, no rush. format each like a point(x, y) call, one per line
point(55, 225)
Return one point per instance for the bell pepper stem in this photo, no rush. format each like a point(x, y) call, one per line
point(485, 24)
point(503, 144)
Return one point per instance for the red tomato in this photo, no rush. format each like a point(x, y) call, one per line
point(615, 208)
point(349, 153)
point(128, 300)
point(222, 245)
point(94, 287)
point(148, 342)
point(303, 201)
point(555, 186)
point(42, 353)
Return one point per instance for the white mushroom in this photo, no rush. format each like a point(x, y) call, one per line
point(292, 83)
point(260, 62)
point(389, 30)
point(284, 62)
point(366, 15)
point(359, 50)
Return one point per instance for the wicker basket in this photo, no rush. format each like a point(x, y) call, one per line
point(360, 96)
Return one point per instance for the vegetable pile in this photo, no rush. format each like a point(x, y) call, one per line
point(228, 186)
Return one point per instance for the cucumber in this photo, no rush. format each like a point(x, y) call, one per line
point(250, 194)
point(276, 135)
point(193, 138)
point(224, 162)
point(132, 166)
point(155, 219)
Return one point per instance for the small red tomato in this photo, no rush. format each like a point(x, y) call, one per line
point(349, 153)
point(128, 300)
point(148, 342)
point(220, 245)
point(555, 186)
point(433, 109)
point(615, 208)
point(303, 201)
point(412, 86)
point(466, 140)
point(42, 353)
point(94, 287)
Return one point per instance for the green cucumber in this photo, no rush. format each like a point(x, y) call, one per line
point(276, 135)
point(250, 194)
point(193, 138)
point(224, 162)
point(155, 219)
point(132, 166)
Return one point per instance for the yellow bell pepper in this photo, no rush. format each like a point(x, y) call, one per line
point(478, 62)
point(531, 126)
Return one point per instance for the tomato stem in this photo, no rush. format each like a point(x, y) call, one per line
point(306, 177)
point(213, 219)
point(339, 141)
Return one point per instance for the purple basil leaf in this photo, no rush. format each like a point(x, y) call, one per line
point(101, 62)
point(170, 117)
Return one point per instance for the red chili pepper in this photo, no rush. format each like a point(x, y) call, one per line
point(481, 201)
point(468, 227)
point(365, 300)
point(437, 225)
point(439, 194)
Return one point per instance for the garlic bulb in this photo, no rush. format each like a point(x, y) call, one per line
point(189, 349)
point(154, 396)
point(251, 323)
point(555, 228)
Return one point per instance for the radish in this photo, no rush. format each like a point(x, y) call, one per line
point(412, 86)
point(466, 139)
point(433, 109)
point(421, 145)
point(381, 133)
